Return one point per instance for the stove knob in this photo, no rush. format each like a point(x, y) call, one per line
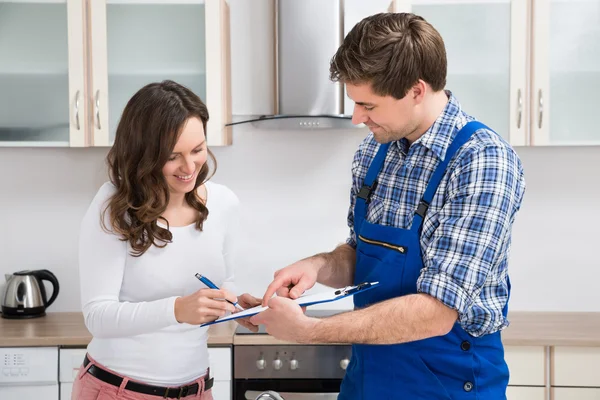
point(293, 364)
point(261, 363)
point(277, 364)
point(344, 363)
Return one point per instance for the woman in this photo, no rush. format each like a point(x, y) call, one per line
point(146, 234)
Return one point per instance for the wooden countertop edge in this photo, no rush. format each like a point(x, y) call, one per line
point(83, 342)
point(579, 329)
point(68, 330)
point(44, 342)
point(265, 340)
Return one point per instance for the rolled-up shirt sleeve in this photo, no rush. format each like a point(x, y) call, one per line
point(465, 259)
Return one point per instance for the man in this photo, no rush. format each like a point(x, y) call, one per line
point(433, 199)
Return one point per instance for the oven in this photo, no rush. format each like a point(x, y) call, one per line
point(294, 372)
point(287, 371)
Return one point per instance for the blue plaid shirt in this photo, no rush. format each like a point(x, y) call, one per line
point(466, 233)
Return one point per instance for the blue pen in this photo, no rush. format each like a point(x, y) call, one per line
point(211, 285)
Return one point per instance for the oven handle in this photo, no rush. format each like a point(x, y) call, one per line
point(254, 395)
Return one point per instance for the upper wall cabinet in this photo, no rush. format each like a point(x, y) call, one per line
point(136, 42)
point(527, 68)
point(72, 65)
point(566, 72)
point(480, 47)
point(42, 86)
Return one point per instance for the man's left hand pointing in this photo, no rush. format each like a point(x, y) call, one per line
point(285, 320)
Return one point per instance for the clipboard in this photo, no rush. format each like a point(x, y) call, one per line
point(304, 301)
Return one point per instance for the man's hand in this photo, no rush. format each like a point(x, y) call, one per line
point(247, 301)
point(285, 320)
point(294, 280)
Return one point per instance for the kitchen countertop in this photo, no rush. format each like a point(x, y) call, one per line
point(68, 329)
point(526, 329)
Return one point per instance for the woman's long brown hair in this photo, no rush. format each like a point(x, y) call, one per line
point(146, 136)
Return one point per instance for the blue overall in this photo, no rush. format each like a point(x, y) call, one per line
point(454, 366)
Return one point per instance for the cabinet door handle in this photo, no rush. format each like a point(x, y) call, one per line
point(519, 108)
point(540, 108)
point(77, 110)
point(98, 109)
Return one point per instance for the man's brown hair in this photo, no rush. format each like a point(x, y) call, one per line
point(391, 51)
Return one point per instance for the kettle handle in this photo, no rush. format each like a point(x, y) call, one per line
point(45, 275)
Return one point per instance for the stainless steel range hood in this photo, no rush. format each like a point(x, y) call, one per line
point(308, 33)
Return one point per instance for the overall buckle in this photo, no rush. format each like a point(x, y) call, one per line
point(366, 191)
point(422, 208)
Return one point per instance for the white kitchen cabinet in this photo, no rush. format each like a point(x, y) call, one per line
point(70, 360)
point(528, 69)
point(28, 373)
point(525, 393)
point(134, 43)
point(42, 86)
point(221, 390)
point(73, 64)
point(527, 368)
point(526, 365)
point(566, 74)
point(576, 393)
point(221, 371)
point(576, 366)
point(477, 35)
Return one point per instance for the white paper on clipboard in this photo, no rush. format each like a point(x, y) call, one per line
point(304, 301)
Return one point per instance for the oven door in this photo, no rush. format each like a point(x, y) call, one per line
point(287, 389)
point(271, 395)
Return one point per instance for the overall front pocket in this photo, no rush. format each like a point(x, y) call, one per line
point(377, 261)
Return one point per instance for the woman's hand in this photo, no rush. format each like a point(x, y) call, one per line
point(247, 301)
point(206, 305)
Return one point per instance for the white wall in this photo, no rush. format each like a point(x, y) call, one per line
point(294, 188)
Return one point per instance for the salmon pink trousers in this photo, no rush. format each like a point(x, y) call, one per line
point(88, 387)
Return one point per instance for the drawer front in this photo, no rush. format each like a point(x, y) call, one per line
point(220, 363)
point(65, 391)
point(70, 362)
point(525, 393)
point(575, 394)
point(222, 390)
point(526, 365)
point(28, 366)
point(576, 366)
point(45, 392)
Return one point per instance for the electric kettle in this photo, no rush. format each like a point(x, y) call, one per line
point(25, 295)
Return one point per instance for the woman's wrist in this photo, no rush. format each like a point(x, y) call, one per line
point(177, 309)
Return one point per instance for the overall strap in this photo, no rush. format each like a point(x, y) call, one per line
point(461, 138)
point(369, 184)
